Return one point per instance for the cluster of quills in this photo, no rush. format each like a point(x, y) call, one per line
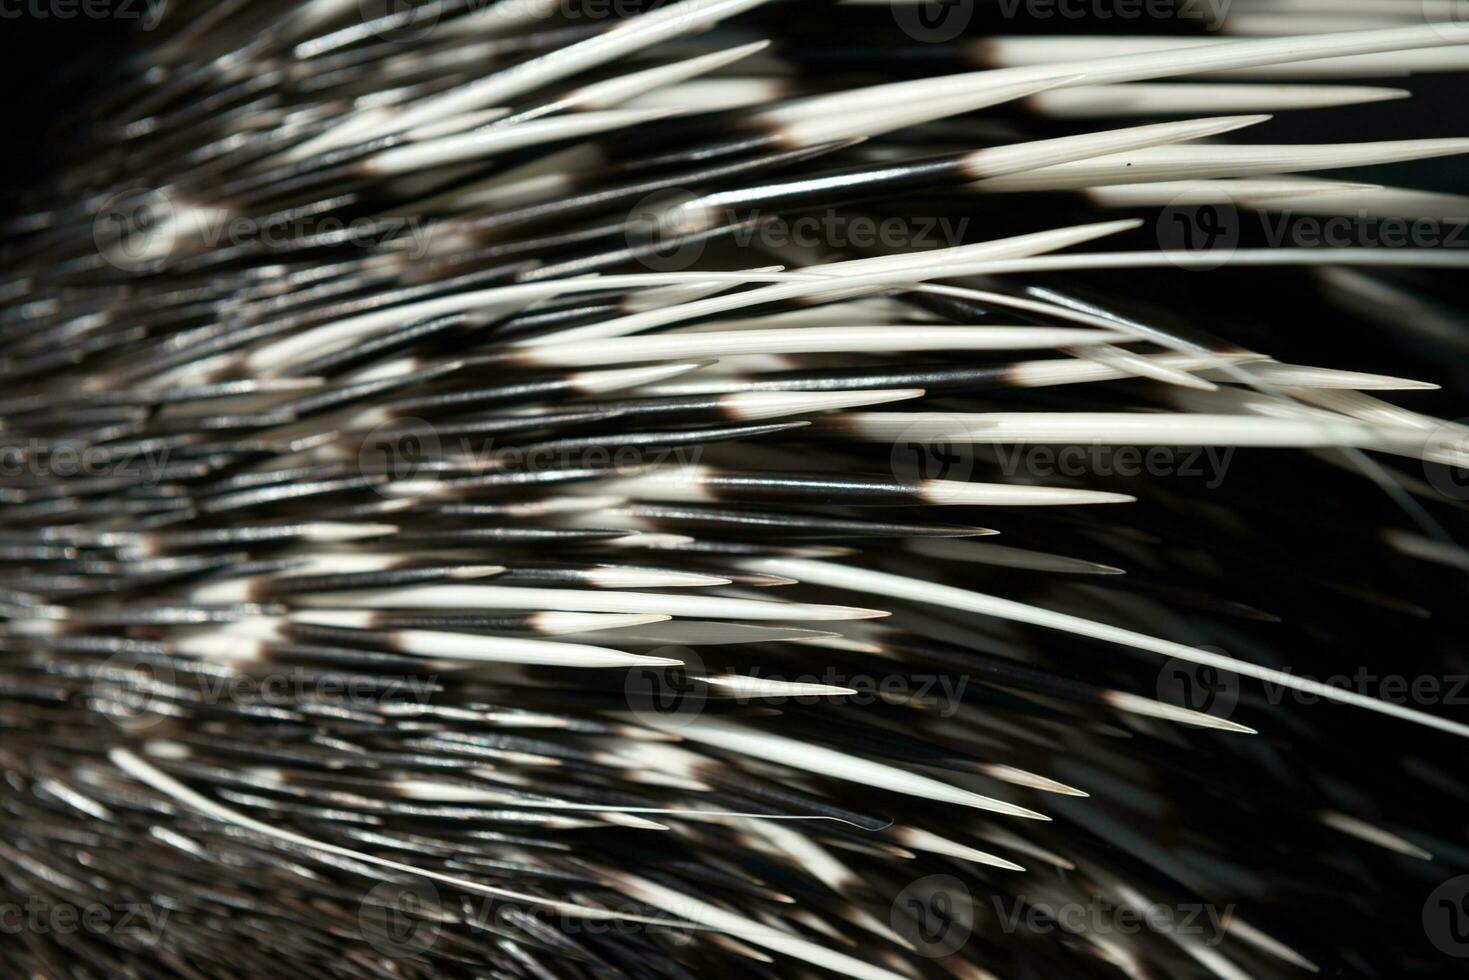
point(445, 531)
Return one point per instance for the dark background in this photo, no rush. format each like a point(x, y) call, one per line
point(46, 67)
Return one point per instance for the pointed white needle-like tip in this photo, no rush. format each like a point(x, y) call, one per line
point(1021, 777)
point(563, 623)
point(1136, 704)
point(839, 613)
point(954, 492)
point(750, 406)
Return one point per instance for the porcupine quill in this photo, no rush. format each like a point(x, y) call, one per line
point(474, 504)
